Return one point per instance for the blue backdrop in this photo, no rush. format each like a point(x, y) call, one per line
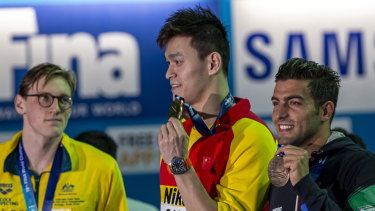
point(51, 33)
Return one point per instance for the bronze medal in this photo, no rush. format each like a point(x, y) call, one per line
point(277, 173)
point(175, 110)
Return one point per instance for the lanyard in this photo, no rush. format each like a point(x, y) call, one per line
point(199, 124)
point(26, 181)
point(314, 173)
point(316, 169)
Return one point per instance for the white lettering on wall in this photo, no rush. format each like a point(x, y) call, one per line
point(108, 67)
point(14, 23)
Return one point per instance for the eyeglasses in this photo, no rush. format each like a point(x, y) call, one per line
point(46, 100)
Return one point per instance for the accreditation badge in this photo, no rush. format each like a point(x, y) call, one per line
point(170, 207)
point(171, 199)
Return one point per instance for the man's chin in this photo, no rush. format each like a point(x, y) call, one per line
point(284, 141)
point(55, 133)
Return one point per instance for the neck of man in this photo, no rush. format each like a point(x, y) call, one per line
point(210, 105)
point(317, 141)
point(40, 151)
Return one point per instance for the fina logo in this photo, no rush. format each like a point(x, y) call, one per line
point(112, 60)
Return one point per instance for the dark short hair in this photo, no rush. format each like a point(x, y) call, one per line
point(207, 31)
point(99, 140)
point(49, 71)
point(324, 83)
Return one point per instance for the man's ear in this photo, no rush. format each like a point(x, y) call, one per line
point(327, 111)
point(215, 63)
point(19, 104)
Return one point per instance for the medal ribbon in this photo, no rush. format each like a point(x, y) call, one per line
point(314, 172)
point(199, 124)
point(316, 169)
point(27, 188)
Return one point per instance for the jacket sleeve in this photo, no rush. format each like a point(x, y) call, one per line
point(363, 198)
point(245, 183)
point(356, 176)
point(362, 187)
point(313, 197)
point(116, 196)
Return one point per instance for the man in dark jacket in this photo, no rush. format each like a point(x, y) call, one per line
point(325, 170)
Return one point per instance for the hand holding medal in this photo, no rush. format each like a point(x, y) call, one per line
point(172, 138)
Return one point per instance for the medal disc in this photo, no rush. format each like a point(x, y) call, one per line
point(277, 173)
point(175, 110)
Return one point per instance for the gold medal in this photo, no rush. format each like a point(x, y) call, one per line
point(175, 110)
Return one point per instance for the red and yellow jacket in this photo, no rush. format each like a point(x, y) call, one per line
point(232, 164)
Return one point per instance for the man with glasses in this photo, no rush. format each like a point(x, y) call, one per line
point(41, 168)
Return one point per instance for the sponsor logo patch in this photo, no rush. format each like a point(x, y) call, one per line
point(5, 188)
point(67, 187)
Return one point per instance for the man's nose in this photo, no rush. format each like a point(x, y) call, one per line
point(283, 111)
point(55, 105)
point(170, 73)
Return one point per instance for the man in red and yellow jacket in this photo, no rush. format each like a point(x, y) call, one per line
point(217, 159)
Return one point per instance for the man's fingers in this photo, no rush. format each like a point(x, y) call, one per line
point(163, 131)
point(172, 133)
point(179, 128)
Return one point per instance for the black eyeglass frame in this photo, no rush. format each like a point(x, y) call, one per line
point(59, 100)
